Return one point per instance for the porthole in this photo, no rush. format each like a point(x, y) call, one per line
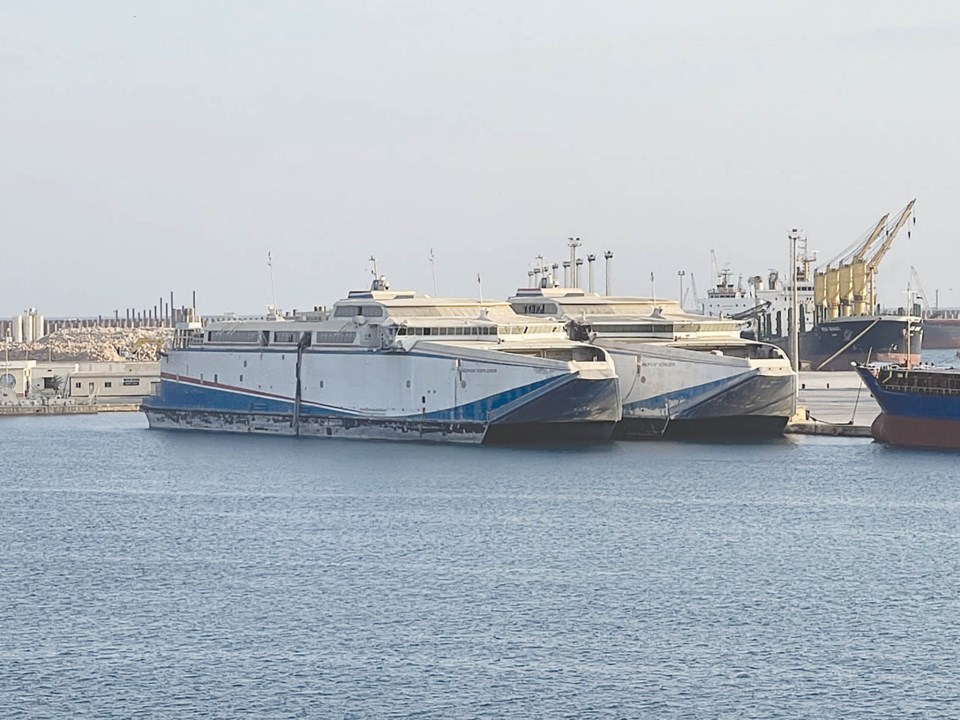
point(408, 383)
point(643, 378)
point(463, 383)
point(241, 378)
point(321, 383)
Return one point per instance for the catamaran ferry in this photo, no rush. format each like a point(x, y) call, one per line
point(390, 365)
point(680, 374)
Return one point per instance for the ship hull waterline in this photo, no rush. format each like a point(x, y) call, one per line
point(914, 432)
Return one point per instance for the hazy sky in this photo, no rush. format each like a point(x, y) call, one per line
point(149, 147)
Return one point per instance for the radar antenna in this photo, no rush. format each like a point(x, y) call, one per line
point(379, 281)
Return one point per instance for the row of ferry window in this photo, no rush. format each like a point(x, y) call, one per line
point(361, 310)
point(468, 330)
point(279, 337)
point(447, 331)
point(346, 337)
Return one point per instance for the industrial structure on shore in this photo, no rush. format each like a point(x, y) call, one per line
point(32, 382)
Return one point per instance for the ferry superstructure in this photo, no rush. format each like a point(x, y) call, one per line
point(679, 373)
point(390, 365)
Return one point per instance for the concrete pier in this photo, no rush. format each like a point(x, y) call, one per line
point(835, 403)
point(66, 409)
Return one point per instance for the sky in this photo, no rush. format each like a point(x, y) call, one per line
point(156, 147)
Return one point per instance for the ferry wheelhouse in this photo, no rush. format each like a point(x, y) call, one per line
point(390, 365)
point(679, 373)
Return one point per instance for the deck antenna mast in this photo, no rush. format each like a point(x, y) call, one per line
point(795, 236)
point(274, 310)
point(433, 272)
point(483, 309)
point(379, 281)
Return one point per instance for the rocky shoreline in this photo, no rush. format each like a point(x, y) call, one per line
point(94, 344)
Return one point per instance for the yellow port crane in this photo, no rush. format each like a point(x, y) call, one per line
point(846, 285)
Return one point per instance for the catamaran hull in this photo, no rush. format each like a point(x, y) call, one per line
point(735, 414)
point(578, 411)
point(571, 408)
point(673, 392)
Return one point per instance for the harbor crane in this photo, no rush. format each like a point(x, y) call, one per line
point(846, 285)
point(693, 289)
point(915, 279)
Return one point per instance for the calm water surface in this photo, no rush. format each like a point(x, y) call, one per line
point(155, 574)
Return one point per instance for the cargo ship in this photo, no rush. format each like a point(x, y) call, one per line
point(837, 305)
point(941, 330)
point(919, 407)
point(392, 365)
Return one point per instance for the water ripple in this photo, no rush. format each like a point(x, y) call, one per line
point(149, 574)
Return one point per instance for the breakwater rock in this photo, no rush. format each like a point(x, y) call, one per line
point(95, 344)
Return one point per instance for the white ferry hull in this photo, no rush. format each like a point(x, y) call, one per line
point(438, 393)
point(671, 391)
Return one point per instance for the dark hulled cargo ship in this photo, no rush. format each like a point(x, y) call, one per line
point(941, 330)
point(834, 344)
point(918, 407)
point(837, 304)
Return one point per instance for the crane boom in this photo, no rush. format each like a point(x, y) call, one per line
point(696, 296)
point(871, 264)
point(923, 293)
point(861, 252)
point(883, 247)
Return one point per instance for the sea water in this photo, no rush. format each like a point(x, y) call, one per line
point(165, 574)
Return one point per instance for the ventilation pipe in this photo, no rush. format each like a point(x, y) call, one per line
point(573, 244)
point(608, 257)
point(590, 260)
point(566, 273)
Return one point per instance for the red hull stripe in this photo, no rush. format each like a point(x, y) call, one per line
point(917, 432)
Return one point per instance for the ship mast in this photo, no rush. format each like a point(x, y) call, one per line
point(274, 310)
point(794, 304)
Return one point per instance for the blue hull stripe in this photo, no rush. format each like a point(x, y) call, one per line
point(185, 395)
point(684, 398)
